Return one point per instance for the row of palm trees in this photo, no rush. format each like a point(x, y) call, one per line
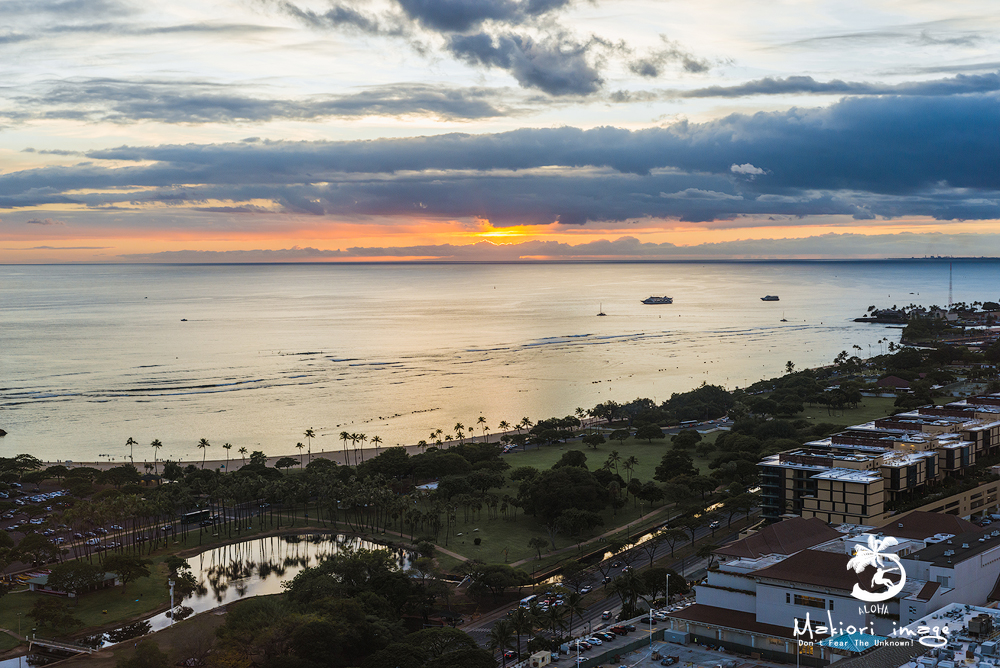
point(507, 631)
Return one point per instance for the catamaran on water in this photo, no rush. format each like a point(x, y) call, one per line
point(658, 300)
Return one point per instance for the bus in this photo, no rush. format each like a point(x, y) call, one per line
point(526, 601)
point(195, 516)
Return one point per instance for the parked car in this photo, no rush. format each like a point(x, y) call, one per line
point(585, 590)
point(646, 620)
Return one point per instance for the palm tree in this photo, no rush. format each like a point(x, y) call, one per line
point(203, 444)
point(227, 447)
point(131, 442)
point(501, 638)
point(300, 445)
point(376, 441)
point(459, 431)
point(504, 426)
point(629, 466)
point(522, 624)
point(345, 437)
point(362, 438)
point(614, 458)
point(156, 445)
point(310, 434)
point(574, 606)
point(243, 451)
point(482, 421)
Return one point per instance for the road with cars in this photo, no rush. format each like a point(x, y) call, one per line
point(602, 613)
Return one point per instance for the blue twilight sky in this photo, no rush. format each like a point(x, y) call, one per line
point(497, 129)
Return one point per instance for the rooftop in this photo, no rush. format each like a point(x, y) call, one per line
point(785, 537)
point(963, 546)
point(849, 475)
point(921, 525)
point(818, 568)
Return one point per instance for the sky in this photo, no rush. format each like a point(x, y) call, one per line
point(343, 130)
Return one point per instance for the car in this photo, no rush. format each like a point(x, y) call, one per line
point(616, 564)
point(630, 627)
point(580, 660)
point(595, 641)
point(583, 645)
point(606, 636)
point(715, 525)
point(585, 590)
point(668, 661)
point(647, 620)
point(510, 654)
point(626, 569)
point(116, 527)
point(619, 630)
point(77, 535)
point(606, 614)
point(607, 579)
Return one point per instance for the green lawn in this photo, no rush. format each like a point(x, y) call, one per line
point(141, 597)
point(7, 642)
point(505, 541)
point(869, 409)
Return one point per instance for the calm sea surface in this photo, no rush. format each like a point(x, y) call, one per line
point(255, 354)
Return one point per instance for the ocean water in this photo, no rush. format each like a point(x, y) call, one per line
point(255, 354)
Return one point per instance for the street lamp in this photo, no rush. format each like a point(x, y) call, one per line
point(172, 611)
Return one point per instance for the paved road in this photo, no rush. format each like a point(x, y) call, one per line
point(480, 628)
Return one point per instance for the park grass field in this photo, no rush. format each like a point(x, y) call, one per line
point(139, 599)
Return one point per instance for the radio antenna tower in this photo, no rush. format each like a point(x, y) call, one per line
point(949, 286)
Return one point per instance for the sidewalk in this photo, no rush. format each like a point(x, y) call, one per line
point(595, 539)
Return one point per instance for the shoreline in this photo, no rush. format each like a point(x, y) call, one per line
point(338, 456)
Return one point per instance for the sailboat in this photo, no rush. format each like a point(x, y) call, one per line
point(601, 312)
point(783, 318)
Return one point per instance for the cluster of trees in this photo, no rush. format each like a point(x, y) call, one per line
point(703, 403)
point(357, 608)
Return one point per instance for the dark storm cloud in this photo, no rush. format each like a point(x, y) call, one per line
point(486, 33)
point(652, 64)
point(120, 101)
point(881, 157)
point(465, 15)
point(958, 85)
point(344, 16)
point(557, 65)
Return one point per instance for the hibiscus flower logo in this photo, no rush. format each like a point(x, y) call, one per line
point(873, 556)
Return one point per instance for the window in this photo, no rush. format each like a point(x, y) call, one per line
point(788, 598)
point(942, 580)
point(810, 601)
point(831, 604)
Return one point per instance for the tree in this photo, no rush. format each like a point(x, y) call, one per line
point(554, 491)
point(620, 435)
point(310, 435)
point(146, 655)
point(52, 613)
point(377, 441)
point(501, 637)
point(285, 463)
point(675, 463)
point(243, 453)
point(672, 537)
point(203, 445)
point(156, 445)
point(789, 366)
point(494, 578)
point(127, 567)
point(593, 440)
point(300, 445)
point(649, 432)
point(572, 458)
point(74, 577)
point(537, 543)
point(227, 447)
point(131, 443)
point(37, 549)
point(685, 439)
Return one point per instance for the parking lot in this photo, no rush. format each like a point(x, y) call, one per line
point(691, 656)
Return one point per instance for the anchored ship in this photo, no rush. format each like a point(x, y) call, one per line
point(658, 300)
